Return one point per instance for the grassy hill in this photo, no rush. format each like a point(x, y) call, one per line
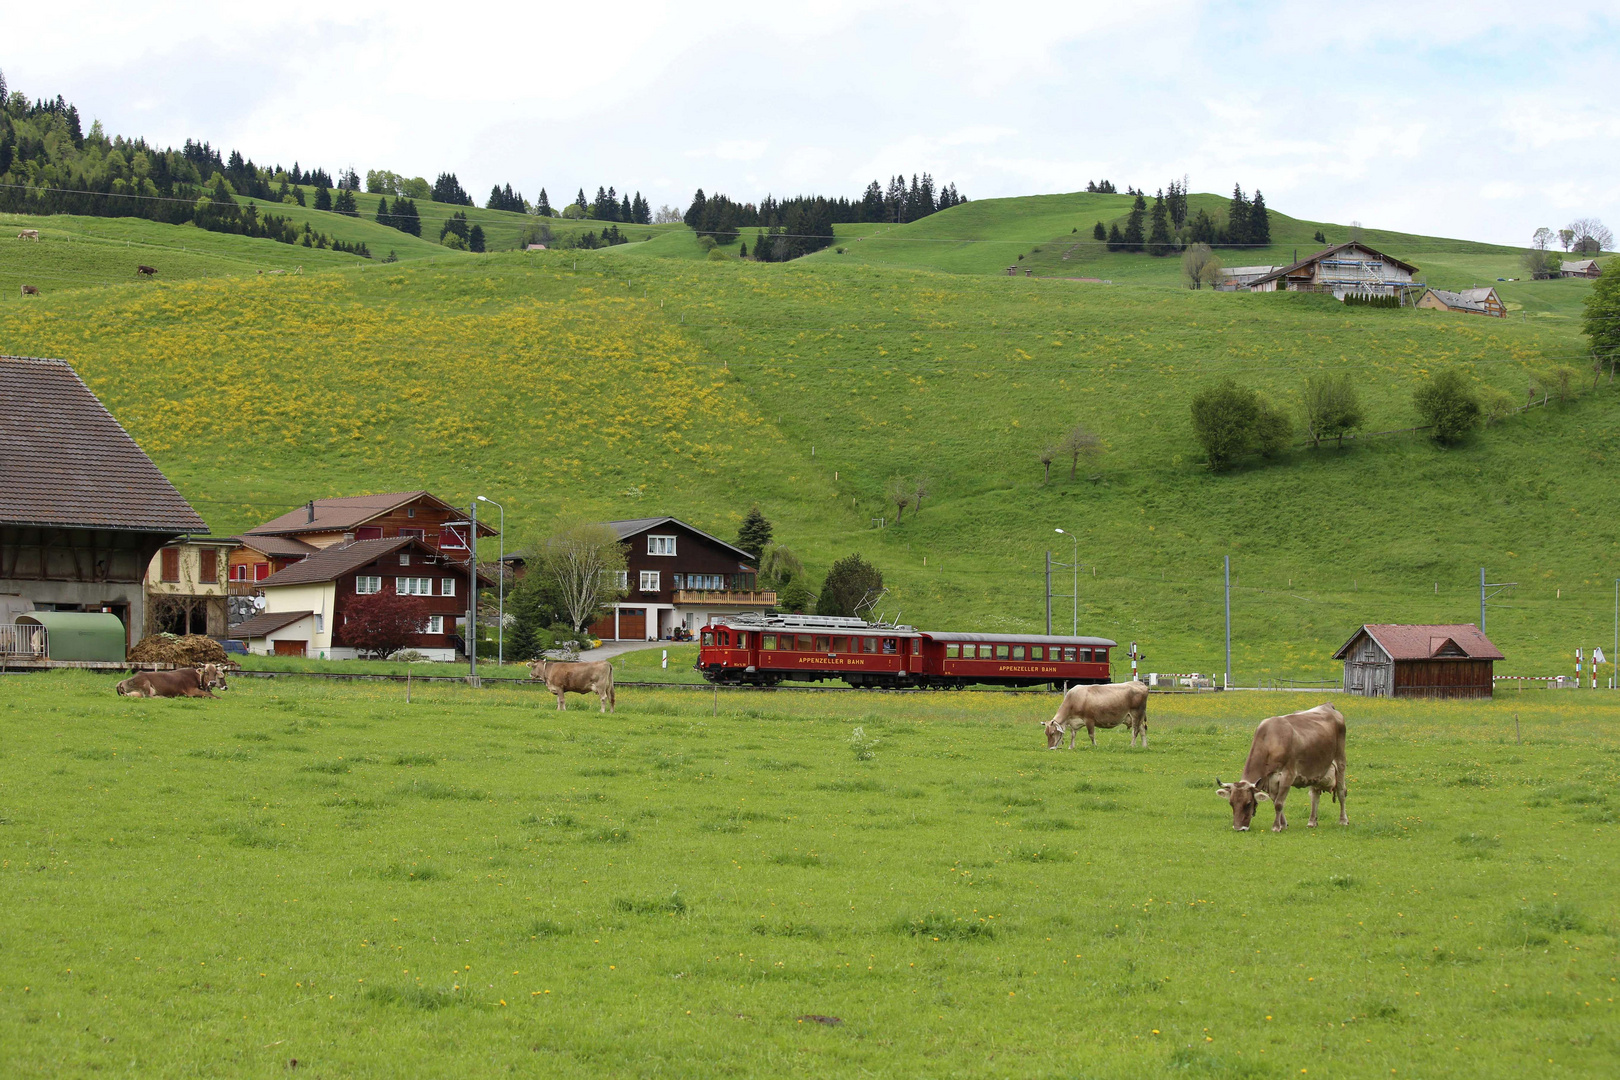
point(647, 381)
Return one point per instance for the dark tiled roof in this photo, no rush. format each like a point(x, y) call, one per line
point(1426, 641)
point(281, 546)
point(65, 461)
point(1334, 250)
point(637, 526)
point(348, 512)
point(329, 564)
point(268, 623)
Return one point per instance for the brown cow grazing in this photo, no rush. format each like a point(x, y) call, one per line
point(1303, 749)
point(1093, 707)
point(29, 234)
point(30, 290)
point(181, 682)
point(145, 271)
point(593, 677)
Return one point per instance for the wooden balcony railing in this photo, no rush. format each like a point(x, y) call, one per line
point(725, 596)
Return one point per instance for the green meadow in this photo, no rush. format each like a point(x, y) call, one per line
point(791, 884)
point(648, 379)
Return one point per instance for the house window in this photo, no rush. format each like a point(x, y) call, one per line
point(413, 586)
point(239, 572)
point(171, 564)
point(420, 534)
point(404, 558)
point(366, 585)
point(618, 579)
point(320, 623)
point(660, 545)
point(952, 652)
point(649, 581)
point(447, 587)
point(410, 511)
point(368, 532)
point(435, 624)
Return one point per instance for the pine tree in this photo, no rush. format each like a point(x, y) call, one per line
point(579, 201)
point(475, 238)
point(1176, 202)
point(754, 533)
point(626, 214)
point(542, 208)
point(872, 202)
point(1116, 239)
point(382, 211)
point(323, 199)
point(1237, 219)
point(1159, 241)
point(1133, 224)
point(1259, 221)
point(1099, 233)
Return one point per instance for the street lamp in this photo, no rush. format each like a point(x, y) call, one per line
point(1074, 626)
point(500, 589)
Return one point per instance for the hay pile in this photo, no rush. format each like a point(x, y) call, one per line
point(188, 651)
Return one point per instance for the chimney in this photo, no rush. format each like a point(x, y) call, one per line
point(311, 509)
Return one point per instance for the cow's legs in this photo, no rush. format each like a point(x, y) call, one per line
point(1281, 821)
point(1092, 731)
point(561, 705)
point(1315, 798)
point(1343, 790)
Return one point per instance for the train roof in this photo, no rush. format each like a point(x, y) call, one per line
point(1032, 639)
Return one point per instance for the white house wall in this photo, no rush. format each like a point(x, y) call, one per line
point(319, 597)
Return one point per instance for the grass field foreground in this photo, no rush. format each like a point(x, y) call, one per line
point(475, 883)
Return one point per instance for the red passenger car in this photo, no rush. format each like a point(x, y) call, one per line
point(766, 650)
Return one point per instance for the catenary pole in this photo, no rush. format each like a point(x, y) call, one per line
point(472, 598)
point(1228, 681)
point(500, 590)
point(1049, 602)
point(1482, 599)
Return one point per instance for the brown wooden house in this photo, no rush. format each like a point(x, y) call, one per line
point(1448, 660)
point(82, 508)
point(1468, 301)
point(678, 577)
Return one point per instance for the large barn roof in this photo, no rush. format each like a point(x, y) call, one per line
point(1328, 253)
point(1427, 641)
point(347, 512)
point(66, 462)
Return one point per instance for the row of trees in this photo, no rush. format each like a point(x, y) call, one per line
point(1166, 229)
point(1583, 236)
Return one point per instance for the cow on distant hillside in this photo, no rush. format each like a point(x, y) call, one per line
point(593, 677)
point(1303, 749)
point(181, 682)
point(29, 234)
point(145, 271)
point(30, 290)
point(1094, 707)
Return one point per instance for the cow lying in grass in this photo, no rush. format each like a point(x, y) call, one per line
point(1093, 707)
point(1303, 749)
point(181, 682)
point(593, 677)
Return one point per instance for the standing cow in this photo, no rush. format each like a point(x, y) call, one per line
point(1303, 749)
point(593, 677)
point(181, 682)
point(30, 290)
point(1093, 707)
point(29, 234)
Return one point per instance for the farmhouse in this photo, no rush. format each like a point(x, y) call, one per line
point(1350, 269)
point(308, 605)
point(82, 509)
point(1471, 301)
point(186, 587)
point(1452, 660)
point(1587, 268)
point(1237, 278)
point(678, 576)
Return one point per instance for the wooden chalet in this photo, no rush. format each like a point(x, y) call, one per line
point(307, 605)
point(83, 510)
point(1587, 268)
point(1469, 301)
point(1349, 269)
point(1450, 660)
point(678, 578)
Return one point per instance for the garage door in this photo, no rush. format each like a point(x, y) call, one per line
point(632, 624)
point(290, 648)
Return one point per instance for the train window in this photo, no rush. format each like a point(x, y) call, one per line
point(1036, 652)
point(840, 644)
point(968, 652)
point(767, 641)
point(1018, 652)
point(1068, 654)
point(805, 644)
point(725, 637)
point(1101, 656)
point(952, 652)
point(890, 646)
point(1001, 652)
point(708, 637)
point(742, 639)
point(869, 644)
point(823, 644)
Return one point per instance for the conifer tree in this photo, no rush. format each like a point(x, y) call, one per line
point(1133, 224)
point(1116, 239)
point(625, 211)
point(1237, 219)
point(475, 238)
point(1259, 220)
point(579, 201)
point(754, 533)
point(382, 211)
point(323, 199)
point(1160, 242)
point(1099, 233)
point(542, 206)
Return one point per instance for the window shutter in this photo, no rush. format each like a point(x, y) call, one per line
point(171, 564)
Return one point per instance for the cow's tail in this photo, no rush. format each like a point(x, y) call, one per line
point(613, 697)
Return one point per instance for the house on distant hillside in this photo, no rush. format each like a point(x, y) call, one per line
point(1239, 278)
point(1350, 269)
point(1588, 268)
point(307, 605)
point(1471, 301)
point(82, 509)
point(678, 576)
point(1452, 660)
point(186, 587)
point(269, 548)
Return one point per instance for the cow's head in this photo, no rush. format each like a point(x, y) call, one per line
point(1054, 735)
point(537, 669)
point(1244, 797)
point(211, 677)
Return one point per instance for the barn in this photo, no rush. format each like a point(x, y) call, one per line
point(1445, 660)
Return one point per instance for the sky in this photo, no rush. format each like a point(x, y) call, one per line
point(1482, 120)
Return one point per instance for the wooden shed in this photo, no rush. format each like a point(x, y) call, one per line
point(1447, 660)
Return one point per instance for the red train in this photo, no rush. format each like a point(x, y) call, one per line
point(764, 650)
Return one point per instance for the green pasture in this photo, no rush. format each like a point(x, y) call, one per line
point(791, 884)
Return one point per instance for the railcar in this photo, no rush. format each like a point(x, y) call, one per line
point(767, 650)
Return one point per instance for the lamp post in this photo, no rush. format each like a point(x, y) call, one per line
point(500, 590)
point(1074, 625)
point(472, 597)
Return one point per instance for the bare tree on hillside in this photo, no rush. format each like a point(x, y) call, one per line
point(1590, 236)
point(1046, 456)
point(1081, 443)
point(921, 488)
point(587, 562)
point(900, 492)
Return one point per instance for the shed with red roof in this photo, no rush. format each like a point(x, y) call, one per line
point(1438, 660)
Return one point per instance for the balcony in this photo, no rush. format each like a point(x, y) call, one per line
point(725, 596)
